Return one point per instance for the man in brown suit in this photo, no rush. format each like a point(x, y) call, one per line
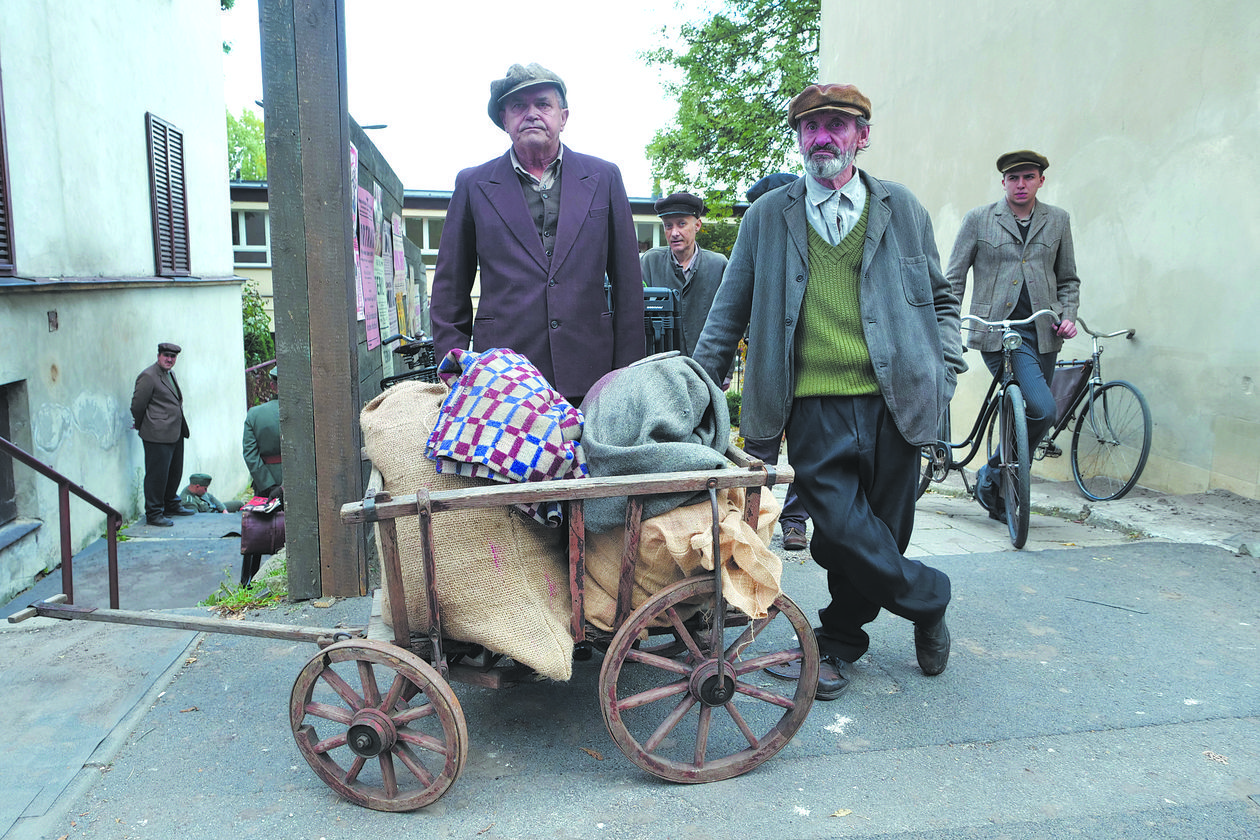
point(157, 409)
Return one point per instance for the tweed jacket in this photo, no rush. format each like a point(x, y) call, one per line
point(909, 312)
point(261, 439)
point(694, 296)
point(553, 312)
point(157, 409)
point(989, 244)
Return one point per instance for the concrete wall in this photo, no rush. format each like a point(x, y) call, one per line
point(1150, 115)
point(78, 78)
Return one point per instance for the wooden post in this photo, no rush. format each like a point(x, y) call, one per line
point(307, 129)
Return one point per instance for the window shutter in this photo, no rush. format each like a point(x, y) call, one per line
point(169, 198)
point(7, 264)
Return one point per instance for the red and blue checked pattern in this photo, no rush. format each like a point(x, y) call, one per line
point(502, 420)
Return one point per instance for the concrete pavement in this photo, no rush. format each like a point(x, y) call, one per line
point(1102, 683)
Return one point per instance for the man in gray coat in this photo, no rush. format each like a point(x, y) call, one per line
point(1019, 251)
point(157, 414)
point(683, 265)
point(855, 349)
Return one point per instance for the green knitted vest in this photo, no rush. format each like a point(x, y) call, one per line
point(832, 358)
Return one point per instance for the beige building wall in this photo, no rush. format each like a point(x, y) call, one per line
point(1150, 115)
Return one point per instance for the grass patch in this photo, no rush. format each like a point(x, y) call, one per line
point(268, 588)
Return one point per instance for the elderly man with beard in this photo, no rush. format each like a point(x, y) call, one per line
point(855, 350)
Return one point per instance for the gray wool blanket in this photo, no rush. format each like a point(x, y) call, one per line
point(661, 414)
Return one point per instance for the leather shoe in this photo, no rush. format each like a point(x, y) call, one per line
point(161, 522)
point(794, 539)
point(833, 677)
point(931, 647)
point(181, 511)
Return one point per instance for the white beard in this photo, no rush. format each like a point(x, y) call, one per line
point(825, 170)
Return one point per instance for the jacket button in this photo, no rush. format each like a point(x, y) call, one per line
point(555, 325)
point(800, 278)
point(551, 282)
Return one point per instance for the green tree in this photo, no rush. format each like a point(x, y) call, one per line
point(225, 5)
point(260, 346)
point(247, 147)
point(737, 71)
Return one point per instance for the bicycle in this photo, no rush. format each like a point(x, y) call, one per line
point(1112, 436)
point(1002, 414)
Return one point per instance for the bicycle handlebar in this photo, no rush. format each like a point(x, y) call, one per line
point(1129, 333)
point(1007, 323)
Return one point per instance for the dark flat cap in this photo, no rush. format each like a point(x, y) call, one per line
point(199, 478)
point(520, 77)
point(845, 98)
point(770, 182)
point(167, 347)
point(1010, 160)
point(680, 204)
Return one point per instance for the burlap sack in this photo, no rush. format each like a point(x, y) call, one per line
point(502, 582)
point(678, 544)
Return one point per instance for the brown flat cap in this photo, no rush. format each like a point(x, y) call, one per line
point(1010, 160)
point(680, 204)
point(520, 77)
point(167, 347)
point(845, 98)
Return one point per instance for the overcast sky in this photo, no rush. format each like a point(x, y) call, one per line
point(424, 70)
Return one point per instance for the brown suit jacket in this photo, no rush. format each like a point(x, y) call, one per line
point(158, 409)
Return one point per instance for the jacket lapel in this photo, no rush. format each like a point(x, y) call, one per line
point(577, 192)
point(794, 218)
point(878, 215)
point(503, 192)
point(1006, 219)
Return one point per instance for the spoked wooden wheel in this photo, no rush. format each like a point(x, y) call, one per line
point(713, 713)
point(379, 725)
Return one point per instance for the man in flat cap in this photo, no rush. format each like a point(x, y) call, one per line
point(683, 265)
point(197, 495)
point(1020, 254)
point(855, 349)
point(552, 234)
point(157, 413)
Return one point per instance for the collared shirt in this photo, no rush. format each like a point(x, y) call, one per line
point(833, 213)
point(685, 271)
point(542, 196)
point(549, 174)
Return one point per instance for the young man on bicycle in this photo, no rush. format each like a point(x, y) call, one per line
point(1019, 251)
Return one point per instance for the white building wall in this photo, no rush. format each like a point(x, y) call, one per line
point(1150, 115)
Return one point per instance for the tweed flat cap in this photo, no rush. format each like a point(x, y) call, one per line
point(845, 98)
point(1010, 160)
point(520, 77)
point(199, 478)
point(680, 204)
point(167, 347)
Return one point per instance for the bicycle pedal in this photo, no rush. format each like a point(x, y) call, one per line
point(1052, 449)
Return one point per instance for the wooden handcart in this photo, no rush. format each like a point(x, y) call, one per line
point(687, 700)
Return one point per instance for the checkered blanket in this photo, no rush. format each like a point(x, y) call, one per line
point(502, 420)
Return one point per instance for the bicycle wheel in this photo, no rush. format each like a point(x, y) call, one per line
point(1111, 442)
point(936, 457)
point(1013, 480)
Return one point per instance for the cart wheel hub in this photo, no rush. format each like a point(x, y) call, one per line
point(713, 683)
point(371, 733)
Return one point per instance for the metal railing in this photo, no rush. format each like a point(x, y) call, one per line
point(113, 520)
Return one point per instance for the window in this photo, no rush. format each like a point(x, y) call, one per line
point(168, 197)
point(427, 233)
point(251, 238)
point(649, 234)
point(7, 265)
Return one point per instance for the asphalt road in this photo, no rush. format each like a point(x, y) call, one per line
point(1099, 692)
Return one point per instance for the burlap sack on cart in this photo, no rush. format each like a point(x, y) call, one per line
point(502, 582)
point(678, 544)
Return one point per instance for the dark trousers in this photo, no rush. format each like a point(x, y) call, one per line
point(250, 564)
point(857, 476)
point(1033, 371)
point(794, 513)
point(163, 468)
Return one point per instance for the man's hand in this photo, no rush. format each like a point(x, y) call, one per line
point(1066, 328)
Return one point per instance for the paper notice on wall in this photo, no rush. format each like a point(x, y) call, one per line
point(354, 228)
point(367, 268)
point(383, 307)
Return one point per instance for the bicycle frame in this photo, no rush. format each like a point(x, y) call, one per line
point(1085, 392)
